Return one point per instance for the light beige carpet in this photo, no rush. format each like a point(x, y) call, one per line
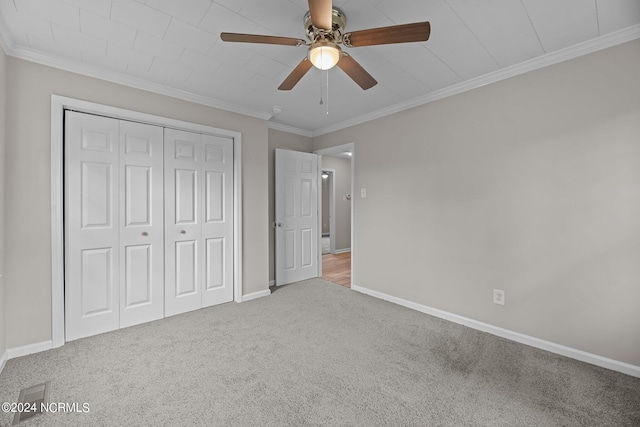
point(315, 353)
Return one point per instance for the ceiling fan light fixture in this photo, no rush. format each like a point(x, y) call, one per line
point(324, 55)
point(325, 29)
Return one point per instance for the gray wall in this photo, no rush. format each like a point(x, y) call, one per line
point(531, 185)
point(3, 98)
point(27, 196)
point(289, 141)
point(342, 178)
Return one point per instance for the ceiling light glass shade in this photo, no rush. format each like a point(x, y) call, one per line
point(324, 55)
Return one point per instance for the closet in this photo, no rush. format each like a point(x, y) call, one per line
point(148, 222)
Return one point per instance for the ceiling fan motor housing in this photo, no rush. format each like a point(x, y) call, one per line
point(339, 22)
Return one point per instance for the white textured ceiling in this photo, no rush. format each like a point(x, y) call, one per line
point(174, 47)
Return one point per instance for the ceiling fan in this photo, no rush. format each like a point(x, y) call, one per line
point(324, 28)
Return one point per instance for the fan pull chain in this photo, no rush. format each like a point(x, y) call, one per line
point(321, 60)
point(321, 101)
point(327, 92)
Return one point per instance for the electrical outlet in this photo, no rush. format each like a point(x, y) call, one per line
point(498, 296)
point(363, 193)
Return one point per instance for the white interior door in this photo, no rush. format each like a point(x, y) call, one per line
point(92, 249)
point(296, 216)
point(142, 228)
point(198, 221)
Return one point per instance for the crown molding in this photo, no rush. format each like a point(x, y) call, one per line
point(289, 129)
point(590, 46)
point(609, 40)
point(6, 41)
point(134, 82)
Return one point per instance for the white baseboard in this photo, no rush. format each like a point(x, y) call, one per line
point(583, 356)
point(3, 360)
point(29, 349)
point(255, 295)
point(342, 251)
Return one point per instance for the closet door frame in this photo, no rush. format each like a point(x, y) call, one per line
point(58, 105)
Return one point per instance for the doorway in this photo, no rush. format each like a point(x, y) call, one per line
point(337, 213)
point(328, 211)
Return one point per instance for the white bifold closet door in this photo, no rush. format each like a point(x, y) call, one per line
point(199, 221)
point(113, 224)
point(148, 223)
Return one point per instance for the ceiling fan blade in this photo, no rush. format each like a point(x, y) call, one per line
point(321, 13)
point(255, 38)
point(417, 32)
point(356, 72)
point(297, 73)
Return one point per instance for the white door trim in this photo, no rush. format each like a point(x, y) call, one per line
point(338, 149)
point(58, 105)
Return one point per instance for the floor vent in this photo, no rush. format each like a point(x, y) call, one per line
point(31, 400)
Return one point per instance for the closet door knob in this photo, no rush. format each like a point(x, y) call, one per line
point(144, 233)
point(183, 232)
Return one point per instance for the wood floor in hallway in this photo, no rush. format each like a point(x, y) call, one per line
point(336, 268)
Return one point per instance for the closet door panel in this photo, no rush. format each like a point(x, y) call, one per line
point(138, 277)
point(215, 262)
point(185, 196)
point(217, 227)
point(186, 262)
point(184, 271)
point(142, 230)
point(92, 222)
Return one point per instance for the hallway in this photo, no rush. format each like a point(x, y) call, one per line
point(337, 268)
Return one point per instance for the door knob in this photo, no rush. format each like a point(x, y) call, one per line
point(279, 224)
point(144, 233)
point(183, 232)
